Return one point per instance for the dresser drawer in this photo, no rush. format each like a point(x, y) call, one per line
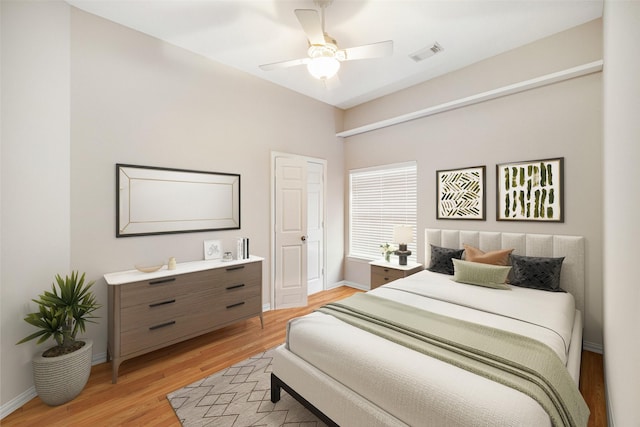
point(147, 337)
point(233, 277)
point(158, 311)
point(159, 320)
point(388, 274)
point(220, 279)
point(381, 274)
point(161, 334)
point(239, 309)
point(196, 298)
point(156, 290)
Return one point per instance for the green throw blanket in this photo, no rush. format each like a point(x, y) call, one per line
point(516, 361)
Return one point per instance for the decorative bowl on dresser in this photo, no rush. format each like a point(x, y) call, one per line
point(148, 311)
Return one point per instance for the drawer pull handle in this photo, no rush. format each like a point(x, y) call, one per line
point(237, 267)
point(386, 270)
point(235, 286)
point(235, 305)
point(162, 303)
point(162, 325)
point(157, 282)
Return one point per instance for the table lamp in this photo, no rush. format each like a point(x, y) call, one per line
point(403, 234)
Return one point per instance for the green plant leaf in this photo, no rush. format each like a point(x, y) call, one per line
point(63, 311)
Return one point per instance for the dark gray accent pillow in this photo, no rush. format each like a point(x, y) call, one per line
point(536, 272)
point(441, 259)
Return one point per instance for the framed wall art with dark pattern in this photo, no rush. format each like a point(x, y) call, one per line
point(460, 193)
point(530, 191)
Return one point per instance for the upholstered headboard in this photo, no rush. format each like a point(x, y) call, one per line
point(572, 277)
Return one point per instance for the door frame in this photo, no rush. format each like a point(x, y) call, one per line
point(272, 225)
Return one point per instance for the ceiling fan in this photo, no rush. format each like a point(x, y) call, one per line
point(325, 57)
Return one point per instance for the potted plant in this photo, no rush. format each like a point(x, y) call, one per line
point(387, 249)
point(61, 372)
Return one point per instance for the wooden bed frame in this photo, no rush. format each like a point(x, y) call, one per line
point(544, 245)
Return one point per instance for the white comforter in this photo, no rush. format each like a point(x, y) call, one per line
point(420, 390)
point(545, 316)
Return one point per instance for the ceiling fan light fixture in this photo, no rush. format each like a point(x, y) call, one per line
point(323, 56)
point(323, 67)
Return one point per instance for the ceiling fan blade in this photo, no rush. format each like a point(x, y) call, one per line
point(311, 24)
point(374, 50)
point(284, 64)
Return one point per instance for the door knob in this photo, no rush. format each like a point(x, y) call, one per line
point(303, 238)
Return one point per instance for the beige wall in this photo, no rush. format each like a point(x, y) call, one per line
point(138, 100)
point(577, 46)
point(84, 94)
point(560, 120)
point(35, 174)
point(621, 205)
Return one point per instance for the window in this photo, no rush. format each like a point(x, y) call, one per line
point(380, 198)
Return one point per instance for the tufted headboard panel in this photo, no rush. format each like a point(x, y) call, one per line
point(572, 278)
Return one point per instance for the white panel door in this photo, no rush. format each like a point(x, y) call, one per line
point(290, 233)
point(315, 227)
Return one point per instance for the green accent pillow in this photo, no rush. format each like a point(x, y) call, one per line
point(475, 273)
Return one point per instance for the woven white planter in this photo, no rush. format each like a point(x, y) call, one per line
point(60, 379)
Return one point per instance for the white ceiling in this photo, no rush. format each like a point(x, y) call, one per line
point(246, 33)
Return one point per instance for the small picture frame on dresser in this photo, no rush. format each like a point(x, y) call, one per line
point(212, 249)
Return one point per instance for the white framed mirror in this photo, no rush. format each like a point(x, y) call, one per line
point(155, 200)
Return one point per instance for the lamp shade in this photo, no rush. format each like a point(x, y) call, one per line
point(323, 67)
point(403, 234)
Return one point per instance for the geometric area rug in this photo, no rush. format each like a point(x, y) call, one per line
point(239, 396)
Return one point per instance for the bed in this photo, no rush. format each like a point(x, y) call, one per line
point(349, 376)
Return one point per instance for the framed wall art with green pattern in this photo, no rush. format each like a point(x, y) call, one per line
point(530, 191)
point(460, 193)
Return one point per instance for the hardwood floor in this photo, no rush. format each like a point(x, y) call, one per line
point(139, 397)
point(592, 387)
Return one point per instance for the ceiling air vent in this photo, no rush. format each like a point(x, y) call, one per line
point(426, 52)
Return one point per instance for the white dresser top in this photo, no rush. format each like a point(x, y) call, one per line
point(382, 263)
point(122, 277)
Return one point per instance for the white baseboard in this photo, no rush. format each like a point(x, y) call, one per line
point(354, 285)
point(267, 306)
point(18, 402)
point(336, 285)
point(593, 347)
point(99, 358)
point(30, 393)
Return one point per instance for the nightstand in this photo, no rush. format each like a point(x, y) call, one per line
point(384, 272)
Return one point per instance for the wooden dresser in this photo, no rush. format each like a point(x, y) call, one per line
point(384, 272)
point(148, 311)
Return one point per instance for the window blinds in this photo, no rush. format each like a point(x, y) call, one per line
point(379, 199)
